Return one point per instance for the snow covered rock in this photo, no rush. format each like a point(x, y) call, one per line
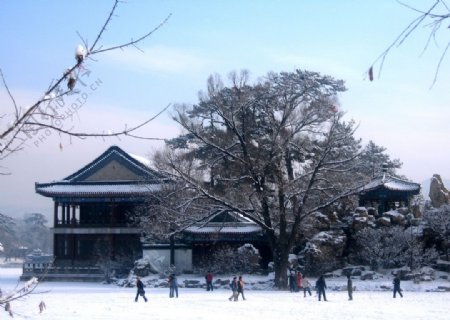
point(439, 195)
point(395, 217)
point(143, 267)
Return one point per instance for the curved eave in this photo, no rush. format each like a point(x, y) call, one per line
point(224, 231)
point(391, 184)
point(412, 190)
point(96, 190)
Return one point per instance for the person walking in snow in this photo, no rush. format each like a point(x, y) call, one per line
point(349, 287)
point(397, 288)
point(173, 285)
point(234, 287)
point(209, 280)
point(140, 290)
point(306, 287)
point(298, 280)
point(240, 288)
point(292, 281)
point(321, 286)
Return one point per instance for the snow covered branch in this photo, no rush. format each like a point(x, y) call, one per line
point(18, 126)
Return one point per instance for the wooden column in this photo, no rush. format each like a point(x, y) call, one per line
point(63, 213)
point(55, 214)
point(68, 213)
point(172, 250)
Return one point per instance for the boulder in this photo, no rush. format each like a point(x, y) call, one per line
point(439, 195)
point(353, 270)
point(368, 275)
point(403, 210)
point(359, 223)
point(372, 211)
point(395, 217)
point(361, 211)
point(315, 223)
point(384, 222)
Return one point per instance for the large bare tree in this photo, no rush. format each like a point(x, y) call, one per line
point(21, 122)
point(275, 152)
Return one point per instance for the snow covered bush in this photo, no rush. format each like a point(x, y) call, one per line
point(438, 219)
point(392, 247)
point(244, 259)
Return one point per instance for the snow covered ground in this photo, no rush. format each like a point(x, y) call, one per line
point(67, 300)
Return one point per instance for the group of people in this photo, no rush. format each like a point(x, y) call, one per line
point(173, 288)
point(296, 283)
point(237, 288)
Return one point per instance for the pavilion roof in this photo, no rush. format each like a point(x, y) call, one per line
point(138, 180)
point(391, 183)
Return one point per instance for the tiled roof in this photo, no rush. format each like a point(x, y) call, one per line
point(138, 164)
point(223, 229)
point(225, 222)
point(391, 183)
point(76, 185)
point(96, 189)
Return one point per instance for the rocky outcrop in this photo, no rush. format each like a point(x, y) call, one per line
point(315, 223)
point(439, 195)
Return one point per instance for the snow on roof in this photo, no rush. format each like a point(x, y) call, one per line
point(96, 189)
point(225, 229)
point(391, 183)
point(138, 163)
point(141, 159)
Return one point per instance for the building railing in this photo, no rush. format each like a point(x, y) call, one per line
point(91, 223)
point(63, 270)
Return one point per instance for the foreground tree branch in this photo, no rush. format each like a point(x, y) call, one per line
point(436, 17)
point(17, 126)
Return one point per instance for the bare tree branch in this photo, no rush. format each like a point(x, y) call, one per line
point(437, 18)
point(25, 121)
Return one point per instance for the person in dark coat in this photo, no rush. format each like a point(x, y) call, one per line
point(209, 280)
point(397, 288)
point(349, 287)
point(240, 288)
point(140, 290)
point(292, 282)
point(321, 286)
point(234, 287)
point(173, 285)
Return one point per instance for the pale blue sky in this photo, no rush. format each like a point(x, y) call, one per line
point(339, 38)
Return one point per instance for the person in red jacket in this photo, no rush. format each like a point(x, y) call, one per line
point(298, 280)
point(209, 280)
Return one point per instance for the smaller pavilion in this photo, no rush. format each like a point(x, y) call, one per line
point(225, 229)
point(386, 192)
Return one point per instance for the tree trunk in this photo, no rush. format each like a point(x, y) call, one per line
point(281, 265)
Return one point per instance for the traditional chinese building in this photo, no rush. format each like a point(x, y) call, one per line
point(386, 192)
point(94, 210)
point(94, 221)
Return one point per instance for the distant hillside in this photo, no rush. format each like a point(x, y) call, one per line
point(425, 186)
